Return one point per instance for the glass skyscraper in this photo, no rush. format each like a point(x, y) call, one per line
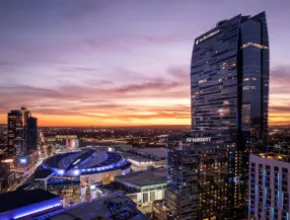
point(230, 78)
point(31, 140)
point(229, 105)
point(25, 115)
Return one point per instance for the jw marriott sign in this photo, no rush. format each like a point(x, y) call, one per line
point(199, 139)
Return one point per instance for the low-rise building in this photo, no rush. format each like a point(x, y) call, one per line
point(24, 205)
point(143, 187)
point(142, 158)
point(116, 206)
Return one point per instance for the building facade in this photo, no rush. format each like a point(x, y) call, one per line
point(22, 133)
point(15, 131)
point(229, 90)
point(229, 106)
point(201, 165)
point(25, 115)
point(182, 179)
point(144, 187)
point(269, 186)
point(32, 134)
point(230, 79)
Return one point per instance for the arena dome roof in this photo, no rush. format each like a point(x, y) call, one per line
point(84, 162)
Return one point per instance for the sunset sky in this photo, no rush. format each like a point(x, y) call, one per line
point(108, 63)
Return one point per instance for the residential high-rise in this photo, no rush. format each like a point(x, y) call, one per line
point(22, 133)
point(15, 132)
point(229, 104)
point(269, 187)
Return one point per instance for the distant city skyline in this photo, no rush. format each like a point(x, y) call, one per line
point(112, 63)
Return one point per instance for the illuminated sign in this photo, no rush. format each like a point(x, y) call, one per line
point(66, 137)
point(207, 36)
point(198, 140)
point(72, 143)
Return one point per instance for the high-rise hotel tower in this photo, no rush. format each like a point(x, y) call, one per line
point(229, 105)
point(230, 79)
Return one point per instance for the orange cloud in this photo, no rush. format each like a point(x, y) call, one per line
point(149, 101)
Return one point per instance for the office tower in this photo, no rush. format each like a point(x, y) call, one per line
point(229, 104)
point(31, 140)
point(15, 132)
point(25, 115)
point(269, 187)
point(182, 177)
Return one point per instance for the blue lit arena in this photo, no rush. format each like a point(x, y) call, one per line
point(87, 166)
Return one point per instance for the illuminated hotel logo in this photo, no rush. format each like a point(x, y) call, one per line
point(198, 140)
point(207, 36)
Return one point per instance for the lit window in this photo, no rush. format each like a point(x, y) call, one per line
point(223, 111)
point(224, 66)
point(249, 87)
point(202, 81)
point(248, 79)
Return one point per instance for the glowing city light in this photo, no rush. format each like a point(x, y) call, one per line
point(23, 160)
point(76, 172)
point(30, 211)
point(60, 172)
